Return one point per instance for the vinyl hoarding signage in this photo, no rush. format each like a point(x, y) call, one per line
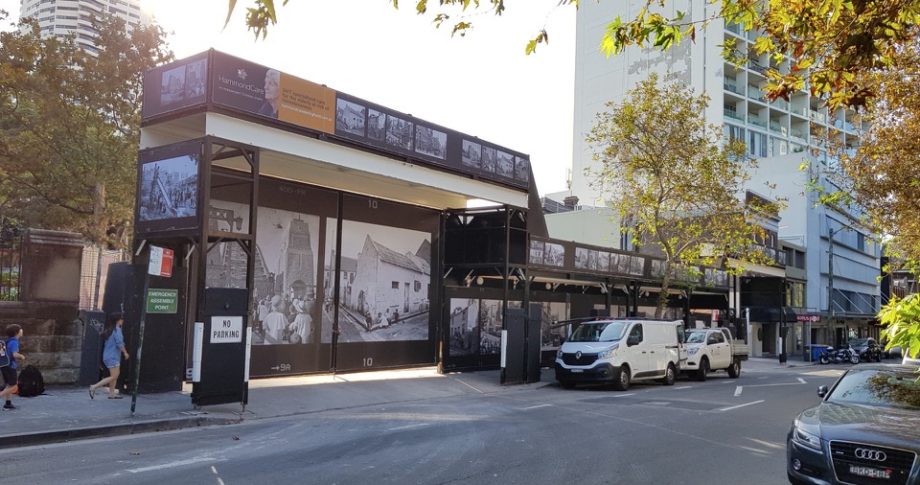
point(217, 80)
point(168, 188)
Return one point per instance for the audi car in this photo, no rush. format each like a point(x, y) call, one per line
point(866, 430)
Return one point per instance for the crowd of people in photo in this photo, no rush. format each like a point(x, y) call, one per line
point(284, 319)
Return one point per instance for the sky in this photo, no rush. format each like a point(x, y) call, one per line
point(481, 84)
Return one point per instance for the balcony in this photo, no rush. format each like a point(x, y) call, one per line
point(733, 114)
point(754, 92)
point(777, 127)
point(757, 122)
point(776, 256)
point(731, 86)
point(821, 117)
point(799, 135)
point(756, 67)
point(733, 28)
point(780, 103)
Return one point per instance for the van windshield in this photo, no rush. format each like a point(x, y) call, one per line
point(599, 332)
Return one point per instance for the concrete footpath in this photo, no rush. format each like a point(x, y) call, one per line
point(68, 413)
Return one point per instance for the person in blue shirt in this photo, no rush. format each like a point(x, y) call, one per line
point(13, 334)
point(113, 350)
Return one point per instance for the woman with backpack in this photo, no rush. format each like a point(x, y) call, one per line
point(113, 350)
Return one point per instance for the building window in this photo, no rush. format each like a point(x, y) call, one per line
point(860, 241)
point(418, 286)
point(757, 144)
point(395, 285)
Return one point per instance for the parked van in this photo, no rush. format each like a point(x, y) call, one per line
point(620, 351)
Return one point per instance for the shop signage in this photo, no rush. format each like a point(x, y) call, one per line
point(162, 300)
point(808, 318)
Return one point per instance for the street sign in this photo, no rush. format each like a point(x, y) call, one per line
point(226, 330)
point(161, 262)
point(162, 300)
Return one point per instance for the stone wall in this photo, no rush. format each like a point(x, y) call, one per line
point(47, 307)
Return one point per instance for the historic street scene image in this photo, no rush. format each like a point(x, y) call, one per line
point(383, 284)
point(431, 142)
point(169, 189)
point(350, 117)
point(505, 166)
point(376, 125)
point(284, 293)
point(183, 82)
point(490, 326)
point(471, 156)
point(522, 169)
point(553, 254)
point(489, 160)
point(464, 326)
point(551, 338)
point(399, 133)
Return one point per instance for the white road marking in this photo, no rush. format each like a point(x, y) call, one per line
point(683, 387)
point(802, 380)
point(738, 390)
point(408, 426)
point(624, 395)
point(469, 385)
point(538, 406)
point(730, 408)
point(174, 464)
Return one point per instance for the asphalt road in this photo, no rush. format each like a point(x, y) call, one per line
point(723, 431)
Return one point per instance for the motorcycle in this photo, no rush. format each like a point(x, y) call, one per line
point(840, 356)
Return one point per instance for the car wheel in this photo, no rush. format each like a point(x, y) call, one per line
point(567, 384)
point(854, 358)
point(824, 359)
point(623, 379)
point(670, 375)
point(703, 371)
point(734, 371)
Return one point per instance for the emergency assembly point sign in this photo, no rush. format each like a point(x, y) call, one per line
point(162, 300)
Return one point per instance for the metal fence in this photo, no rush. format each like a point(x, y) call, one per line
point(93, 274)
point(10, 265)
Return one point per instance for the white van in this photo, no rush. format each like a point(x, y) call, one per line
point(620, 351)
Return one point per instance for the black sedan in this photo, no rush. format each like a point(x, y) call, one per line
point(865, 431)
point(868, 349)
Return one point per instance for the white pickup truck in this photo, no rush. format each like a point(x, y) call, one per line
point(710, 349)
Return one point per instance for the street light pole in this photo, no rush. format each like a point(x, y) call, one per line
point(830, 275)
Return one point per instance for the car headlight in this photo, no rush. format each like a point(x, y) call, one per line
point(693, 351)
point(559, 354)
point(805, 438)
point(607, 353)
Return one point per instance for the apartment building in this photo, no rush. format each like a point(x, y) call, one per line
point(66, 17)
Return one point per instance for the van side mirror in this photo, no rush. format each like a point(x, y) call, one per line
point(632, 340)
point(822, 391)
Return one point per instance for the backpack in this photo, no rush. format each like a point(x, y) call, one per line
point(31, 382)
point(4, 355)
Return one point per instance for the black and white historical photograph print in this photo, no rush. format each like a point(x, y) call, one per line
point(592, 260)
point(623, 263)
point(399, 133)
point(183, 82)
point(489, 159)
point(385, 297)
point(285, 292)
point(350, 117)
point(376, 125)
point(536, 252)
point(551, 338)
point(346, 276)
point(471, 155)
point(522, 169)
point(505, 165)
point(169, 189)
point(431, 142)
point(581, 258)
point(490, 327)
point(464, 326)
point(603, 261)
point(554, 254)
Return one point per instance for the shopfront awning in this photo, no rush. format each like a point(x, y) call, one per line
point(771, 314)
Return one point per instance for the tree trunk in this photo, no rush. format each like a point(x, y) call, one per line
point(663, 295)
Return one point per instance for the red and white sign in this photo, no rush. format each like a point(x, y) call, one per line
point(161, 262)
point(808, 318)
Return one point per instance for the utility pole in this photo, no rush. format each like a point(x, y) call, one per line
point(830, 276)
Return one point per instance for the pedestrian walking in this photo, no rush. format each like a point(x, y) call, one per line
point(113, 350)
point(13, 334)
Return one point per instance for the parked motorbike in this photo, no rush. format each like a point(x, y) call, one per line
point(839, 356)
